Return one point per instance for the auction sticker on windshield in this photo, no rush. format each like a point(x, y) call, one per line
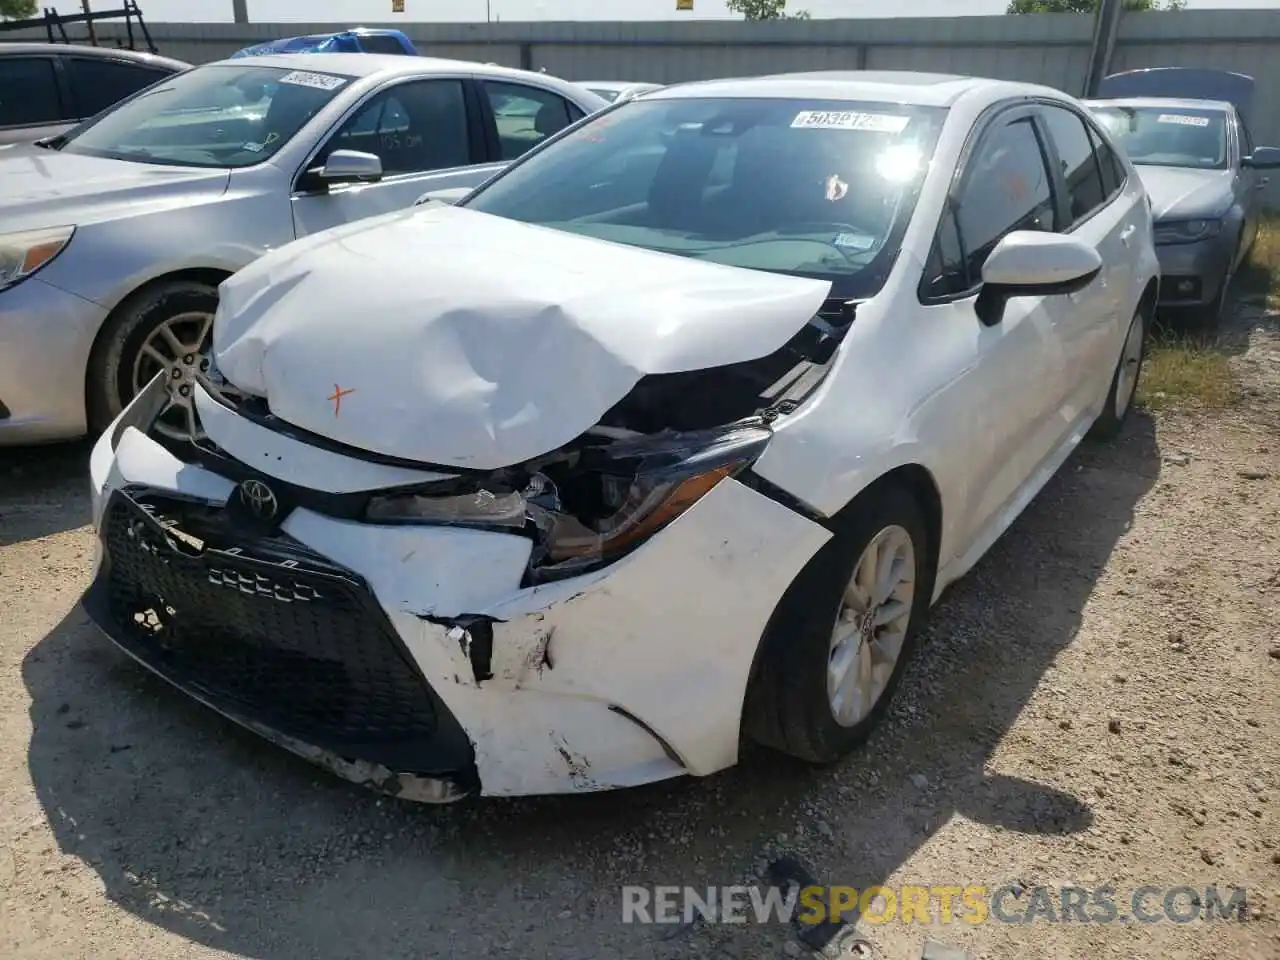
point(847, 120)
point(1182, 120)
point(320, 81)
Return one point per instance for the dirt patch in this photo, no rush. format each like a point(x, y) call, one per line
point(1096, 704)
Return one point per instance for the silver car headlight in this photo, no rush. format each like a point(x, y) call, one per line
point(1186, 231)
point(27, 251)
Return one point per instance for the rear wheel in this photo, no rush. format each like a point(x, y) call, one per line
point(1124, 382)
point(837, 646)
point(163, 329)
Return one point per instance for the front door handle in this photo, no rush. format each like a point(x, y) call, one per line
point(1127, 233)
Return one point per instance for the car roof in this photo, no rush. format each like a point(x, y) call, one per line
point(1175, 102)
point(85, 50)
point(371, 64)
point(892, 86)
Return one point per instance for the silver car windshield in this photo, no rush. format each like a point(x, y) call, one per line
point(1169, 136)
point(214, 116)
point(811, 188)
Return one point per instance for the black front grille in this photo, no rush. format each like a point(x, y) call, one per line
point(269, 632)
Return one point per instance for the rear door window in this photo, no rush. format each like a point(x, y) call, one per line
point(29, 92)
point(525, 116)
point(1085, 192)
point(100, 83)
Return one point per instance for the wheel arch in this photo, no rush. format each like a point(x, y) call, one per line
point(920, 484)
point(1150, 297)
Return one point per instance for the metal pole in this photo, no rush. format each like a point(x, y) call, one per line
point(240, 11)
point(1106, 25)
point(93, 34)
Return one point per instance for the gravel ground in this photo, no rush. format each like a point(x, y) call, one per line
point(1099, 702)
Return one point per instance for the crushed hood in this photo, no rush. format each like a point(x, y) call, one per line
point(1179, 193)
point(451, 337)
point(45, 188)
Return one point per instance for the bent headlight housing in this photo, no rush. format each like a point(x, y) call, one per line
point(1187, 231)
point(28, 251)
point(597, 506)
point(635, 488)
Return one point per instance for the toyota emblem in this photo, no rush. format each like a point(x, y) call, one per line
point(259, 499)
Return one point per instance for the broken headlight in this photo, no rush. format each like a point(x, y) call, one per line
point(479, 508)
point(590, 504)
point(618, 495)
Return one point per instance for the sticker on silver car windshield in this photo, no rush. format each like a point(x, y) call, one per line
point(1182, 121)
point(318, 81)
point(850, 120)
point(855, 241)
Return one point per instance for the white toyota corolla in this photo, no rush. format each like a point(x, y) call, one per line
point(668, 435)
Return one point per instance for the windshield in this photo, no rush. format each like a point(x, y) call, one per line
point(810, 188)
point(214, 116)
point(1169, 136)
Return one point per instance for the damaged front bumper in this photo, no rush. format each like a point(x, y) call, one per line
point(414, 658)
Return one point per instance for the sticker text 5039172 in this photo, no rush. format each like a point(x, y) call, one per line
point(850, 120)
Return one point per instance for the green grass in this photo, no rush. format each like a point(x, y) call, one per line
point(1195, 371)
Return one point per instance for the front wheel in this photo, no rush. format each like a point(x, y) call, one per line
point(835, 650)
point(164, 329)
point(1124, 382)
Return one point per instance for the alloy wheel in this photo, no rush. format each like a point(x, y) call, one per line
point(179, 348)
point(871, 627)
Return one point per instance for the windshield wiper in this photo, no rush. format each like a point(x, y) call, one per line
point(52, 143)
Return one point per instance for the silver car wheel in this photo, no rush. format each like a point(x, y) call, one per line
point(872, 626)
point(179, 348)
point(1130, 360)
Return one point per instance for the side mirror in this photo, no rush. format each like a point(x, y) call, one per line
point(347, 166)
point(449, 195)
point(1262, 158)
point(1028, 263)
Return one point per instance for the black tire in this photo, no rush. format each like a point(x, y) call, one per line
point(108, 380)
point(787, 707)
point(1111, 421)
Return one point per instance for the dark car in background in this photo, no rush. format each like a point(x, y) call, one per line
point(355, 40)
point(1187, 132)
point(46, 88)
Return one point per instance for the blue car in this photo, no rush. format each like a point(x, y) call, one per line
point(356, 40)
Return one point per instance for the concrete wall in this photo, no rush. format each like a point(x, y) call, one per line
point(1046, 48)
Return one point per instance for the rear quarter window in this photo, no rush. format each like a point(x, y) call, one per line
point(29, 92)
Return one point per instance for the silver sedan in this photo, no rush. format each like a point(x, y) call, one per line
point(116, 234)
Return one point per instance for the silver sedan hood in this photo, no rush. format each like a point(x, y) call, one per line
point(451, 337)
point(45, 188)
point(1180, 193)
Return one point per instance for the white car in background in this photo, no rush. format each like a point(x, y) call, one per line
point(672, 431)
point(614, 90)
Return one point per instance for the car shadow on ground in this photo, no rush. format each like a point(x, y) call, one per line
point(43, 490)
point(201, 829)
